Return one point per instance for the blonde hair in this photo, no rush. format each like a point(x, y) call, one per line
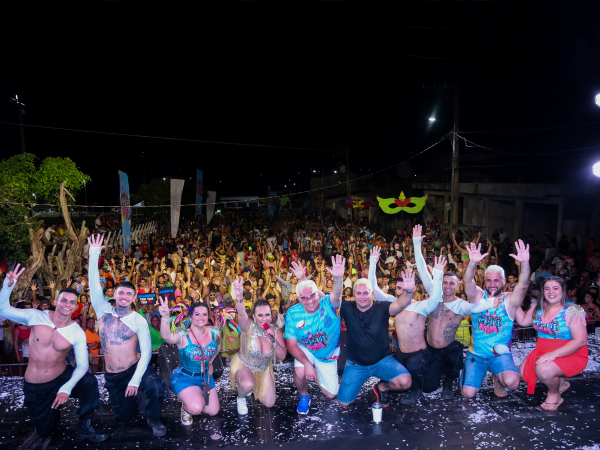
point(495, 269)
point(360, 282)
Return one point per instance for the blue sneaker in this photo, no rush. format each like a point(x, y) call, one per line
point(304, 404)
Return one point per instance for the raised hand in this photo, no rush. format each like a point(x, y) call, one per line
point(375, 254)
point(33, 287)
point(96, 241)
point(339, 266)
point(522, 251)
point(14, 275)
point(475, 252)
point(408, 282)
point(163, 307)
point(238, 288)
point(439, 263)
point(418, 232)
point(298, 270)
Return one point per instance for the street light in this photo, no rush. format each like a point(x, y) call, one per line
point(432, 119)
point(598, 99)
point(596, 169)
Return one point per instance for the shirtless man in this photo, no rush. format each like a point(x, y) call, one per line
point(121, 329)
point(492, 328)
point(49, 382)
point(445, 352)
point(410, 325)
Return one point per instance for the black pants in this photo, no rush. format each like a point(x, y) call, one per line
point(341, 362)
point(415, 363)
point(40, 396)
point(447, 361)
point(152, 386)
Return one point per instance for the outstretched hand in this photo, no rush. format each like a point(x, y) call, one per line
point(408, 280)
point(439, 263)
point(522, 251)
point(14, 275)
point(97, 242)
point(418, 232)
point(238, 288)
point(163, 307)
point(339, 266)
point(375, 254)
point(475, 252)
point(298, 270)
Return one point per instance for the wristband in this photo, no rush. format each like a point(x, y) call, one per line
point(409, 292)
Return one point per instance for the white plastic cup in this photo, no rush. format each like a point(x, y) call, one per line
point(377, 409)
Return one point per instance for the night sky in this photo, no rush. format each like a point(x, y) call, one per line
point(313, 75)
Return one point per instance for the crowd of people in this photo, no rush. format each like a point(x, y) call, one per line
point(340, 301)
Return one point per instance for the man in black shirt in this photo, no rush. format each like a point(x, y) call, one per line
point(369, 351)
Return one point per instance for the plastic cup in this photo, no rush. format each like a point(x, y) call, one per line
point(377, 409)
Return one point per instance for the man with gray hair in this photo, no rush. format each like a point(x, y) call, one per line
point(369, 352)
point(312, 335)
point(492, 328)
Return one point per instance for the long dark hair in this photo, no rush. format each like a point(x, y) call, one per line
point(199, 305)
point(563, 300)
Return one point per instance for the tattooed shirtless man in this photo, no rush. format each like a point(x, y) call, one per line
point(121, 330)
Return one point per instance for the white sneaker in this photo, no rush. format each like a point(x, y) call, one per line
point(242, 407)
point(186, 418)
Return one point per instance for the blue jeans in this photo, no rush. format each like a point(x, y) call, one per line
point(476, 368)
point(356, 375)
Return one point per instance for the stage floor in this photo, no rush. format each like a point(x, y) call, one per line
point(483, 422)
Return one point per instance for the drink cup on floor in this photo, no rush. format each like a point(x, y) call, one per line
point(377, 409)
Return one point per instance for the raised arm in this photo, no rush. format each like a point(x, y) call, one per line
point(421, 266)
point(377, 292)
point(243, 320)
point(518, 294)
point(7, 311)
point(337, 271)
point(474, 293)
point(165, 323)
point(404, 300)
point(101, 306)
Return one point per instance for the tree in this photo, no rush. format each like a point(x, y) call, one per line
point(21, 184)
point(156, 192)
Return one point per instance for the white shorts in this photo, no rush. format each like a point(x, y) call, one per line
point(25, 350)
point(326, 371)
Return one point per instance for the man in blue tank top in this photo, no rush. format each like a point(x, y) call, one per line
point(492, 328)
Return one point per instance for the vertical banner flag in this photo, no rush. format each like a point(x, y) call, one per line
point(176, 189)
point(125, 212)
point(199, 180)
point(272, 201)
point(210, 205)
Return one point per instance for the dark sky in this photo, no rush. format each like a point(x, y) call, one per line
point(316, 75)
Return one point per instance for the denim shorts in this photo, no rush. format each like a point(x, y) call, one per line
point(356, 375)
point(476, 368)
point(179, 381)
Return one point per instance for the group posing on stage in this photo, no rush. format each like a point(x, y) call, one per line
point(429, 354)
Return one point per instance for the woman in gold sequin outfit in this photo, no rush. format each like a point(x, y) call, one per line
point(261, 342)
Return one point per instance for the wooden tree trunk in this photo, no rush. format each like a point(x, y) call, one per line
point(38, 262)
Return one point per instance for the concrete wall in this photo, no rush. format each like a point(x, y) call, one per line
point(502, 215)
point(539, 218)
point(474, 211)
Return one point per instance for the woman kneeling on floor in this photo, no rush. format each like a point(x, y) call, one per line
point(198, 346)
point(261, 341)
point(561, 349)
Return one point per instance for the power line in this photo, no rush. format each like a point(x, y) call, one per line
point(181, 139)
point(531, 129)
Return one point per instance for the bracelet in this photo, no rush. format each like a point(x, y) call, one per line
point(409, 292)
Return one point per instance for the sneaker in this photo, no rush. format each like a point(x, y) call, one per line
point(383, 397)
point(186, 418)
point(447, 389)
point(157, 427)
point(411, 396)
point(304, 404)
point(242, 407)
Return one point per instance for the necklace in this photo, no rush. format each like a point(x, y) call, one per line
point(56, 327)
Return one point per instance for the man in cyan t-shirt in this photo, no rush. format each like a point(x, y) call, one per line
point(312, 333)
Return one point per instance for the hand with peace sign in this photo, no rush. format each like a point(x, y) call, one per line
point(163, 307)
point(13, 275)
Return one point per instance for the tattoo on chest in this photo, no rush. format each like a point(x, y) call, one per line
point(450, 332)
point(114, 332)
point(437, 312)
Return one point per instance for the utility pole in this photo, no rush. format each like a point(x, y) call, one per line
point(454, 181)
point(454, 205)
point(348, 185)
point(21, 111)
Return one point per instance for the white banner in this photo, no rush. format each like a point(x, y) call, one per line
point(176, 189)
point(210, 205)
